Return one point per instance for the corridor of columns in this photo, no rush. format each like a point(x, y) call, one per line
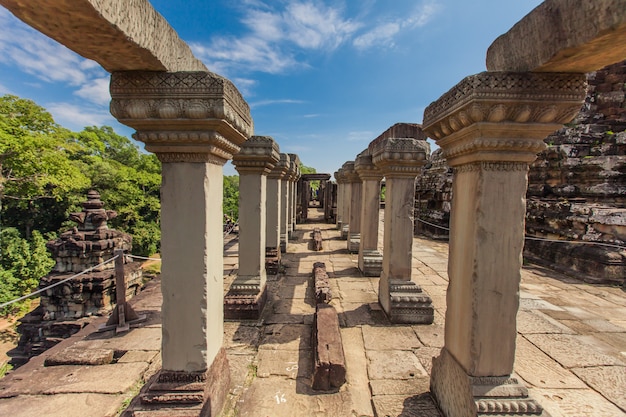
point(490, 127)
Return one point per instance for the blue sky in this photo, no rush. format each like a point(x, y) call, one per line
point(322, 77)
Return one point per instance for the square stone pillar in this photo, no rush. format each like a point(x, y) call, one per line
point(340, 184)
point(256, 159)
point(347, 196)
point(354, 229)
point(275, 215)
point(293, 179)
point(194, 122)
point(370, 258)
point(490, 127)
point(400, 161)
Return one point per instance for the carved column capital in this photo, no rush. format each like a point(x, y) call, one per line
point(349, 173)
point(366, 169)
point(399, 157)
point(258, 154)
point(294, 167)
point(340, 176)
point(503, 116)
point(182, 116)
point(281, 168)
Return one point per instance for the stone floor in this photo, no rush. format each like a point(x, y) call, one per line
point(571, 349)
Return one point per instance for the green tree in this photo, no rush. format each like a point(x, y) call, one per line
point(315, 185)
point(22, 263)
point(230, 203)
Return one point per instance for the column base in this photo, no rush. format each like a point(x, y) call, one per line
point(185, 394)
point(371, 263)
point(245, 299)
point(339, 224)
point(344, 231)
point(284, 238)
point(272, 260)
point(408, 304)
point(354, 241)
point(461, 395)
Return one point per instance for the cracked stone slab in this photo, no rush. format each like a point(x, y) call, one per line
point(432, 335)
point(239, 337)
point(426, 355)
point(574, 402)
point(539, 370)
point(572, 351)
point(610, 381)
point(289, 363)
point(394, 364)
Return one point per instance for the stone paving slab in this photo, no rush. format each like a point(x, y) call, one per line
point(288, 363)
point(280, 397)
point(432, 335)
point(394, 364)
point(145, 338)
point(575, 403)
point(400, 387)
point(532, 322)
point(62, 405)
point(539, 370)
point(610, 381)
point(390, 338)
point(104, 379)
point(419, 405)
point(356, 363)
point(571, 351)
point(242, 338)
point(286, 337)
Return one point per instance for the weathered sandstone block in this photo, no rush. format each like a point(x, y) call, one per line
point(330, 363)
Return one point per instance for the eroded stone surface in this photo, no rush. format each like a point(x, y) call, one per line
point(394, 364)
point(610, 381)
point(61, 405)
point(537, 322)
point(286, 337)
point(421, 405)
point(575, 402)
point(289, 363)
point(570, 350)
point(563, 36)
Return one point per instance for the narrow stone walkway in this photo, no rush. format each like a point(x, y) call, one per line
point(571, 349)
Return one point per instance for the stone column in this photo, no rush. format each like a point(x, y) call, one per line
point(400, 161)
point(285, 215)
point(354, 229)
point(339, 178)
point(293, 204)
point(490, 127)
point(256, 159)
point(194, 122)
point(275, 216)
point(347, 194)
point(370, 258)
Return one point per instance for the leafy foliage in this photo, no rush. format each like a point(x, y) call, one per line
point(231, 197)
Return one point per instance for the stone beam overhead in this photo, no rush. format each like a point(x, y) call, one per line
point(120, 35)
point(563, 36)
point(182, 113)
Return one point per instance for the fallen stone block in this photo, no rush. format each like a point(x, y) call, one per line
point(323, 293)
point(79, 356)
point(317, 239)
point(329, 367)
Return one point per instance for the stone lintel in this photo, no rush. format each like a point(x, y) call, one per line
point(563, 36)
point(400, 157)
point(281, 169)
point(118, 34)
point(502, 116)
point(366, 169)
point(183, 394)
point(258, 154)
point(461, 395)
point(409, 304)
point(182, 116)
point(349, 173)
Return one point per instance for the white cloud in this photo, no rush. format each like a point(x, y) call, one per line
point(310, 116)
point(5, 90)
point(96, 91)
point(271, 102)
point(77, 117)
point(381, 35)
point(275, 37)
point(361, 136)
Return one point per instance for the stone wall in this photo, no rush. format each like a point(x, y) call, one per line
point(576, 190)
point(577, 186)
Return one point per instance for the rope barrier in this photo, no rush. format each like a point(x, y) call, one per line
point(578, 242)
point(144, 258)
point(8, 303)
